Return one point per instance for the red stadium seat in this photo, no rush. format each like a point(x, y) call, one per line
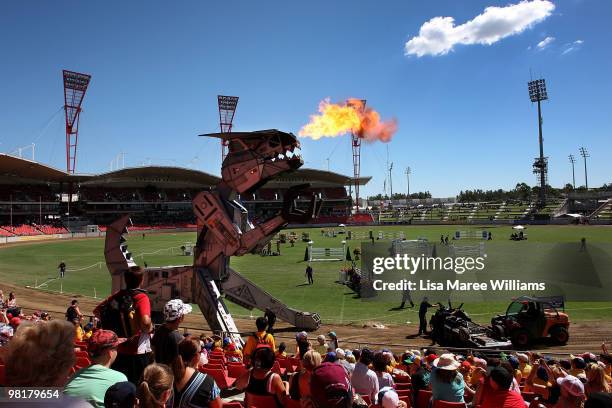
point(220, 376)
point(232, 404)
point(235, 370)
point(276, 368)
point(2, 375)
point(259, 401)
point(403, 386)
point(291, 403)
point(407, 400)
point(446, 404)
point(367, 399)
point(423, 398)
point(82, 362)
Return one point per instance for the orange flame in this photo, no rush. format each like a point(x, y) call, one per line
point(336, 119)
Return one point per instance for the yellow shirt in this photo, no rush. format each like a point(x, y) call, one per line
point(79, 333)
point(525, 369)
point(252, 342)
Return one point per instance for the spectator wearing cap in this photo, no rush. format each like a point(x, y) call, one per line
point(321, 346)
point(302, 344)
point(232, 353)
point(572, 392)
point(333, 340)
point(496, 392)
point(121, 395)
point(341, 355)
point(388, 398)
point(91, 383)
point(578, 366)
point(260, 337)
point(420, 376)
point(364, 381)
point(167, 337)
point(447, 383)
point(524, 366)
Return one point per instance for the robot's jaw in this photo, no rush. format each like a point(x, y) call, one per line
point(257, 158)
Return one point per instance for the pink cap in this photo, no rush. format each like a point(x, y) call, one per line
point(572, 385)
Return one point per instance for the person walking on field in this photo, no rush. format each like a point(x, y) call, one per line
point(309, 275)
point(62, 269)
point(406, 297)
point(423, 315)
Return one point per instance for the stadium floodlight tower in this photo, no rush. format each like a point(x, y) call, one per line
point(572, 160)
point(75, 86)
point(537, 93)
point(585, 154)
point(356, 145)
point(227, 109)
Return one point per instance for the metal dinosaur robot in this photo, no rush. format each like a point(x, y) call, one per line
point(225, 230)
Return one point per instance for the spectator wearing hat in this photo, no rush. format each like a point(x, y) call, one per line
point(364, 381)
point(524, 366)
point(496, 393)
point(232, 353)
point(420, 375)
point(302, 344)
point(260, 337)
point(388, 398)
point(341, 355)
point(321, 346)
point(121, 395)
point(91, 383)
point(167, 337)
point(333, 340)
point(447, 383)
point(572, 392)
point(578, 366)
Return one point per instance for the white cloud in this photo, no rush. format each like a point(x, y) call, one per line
point(545, 42)
point(571, 47)
point(439, 35)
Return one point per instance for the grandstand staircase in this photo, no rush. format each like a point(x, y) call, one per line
point(604, 208)
point(501, 209)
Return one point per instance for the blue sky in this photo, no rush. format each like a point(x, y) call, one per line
point(464, 116)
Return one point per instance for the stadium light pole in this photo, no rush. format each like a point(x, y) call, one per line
point(391, 183)
point(585, 154)
point(572, 160)
point(538, 93)
point(407, 172)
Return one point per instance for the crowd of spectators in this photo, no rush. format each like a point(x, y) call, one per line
point(141, 367)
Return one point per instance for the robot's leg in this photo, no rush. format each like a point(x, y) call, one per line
point(208, 298)
point(245, 293)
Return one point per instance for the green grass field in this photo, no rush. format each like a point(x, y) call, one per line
point(283, 276)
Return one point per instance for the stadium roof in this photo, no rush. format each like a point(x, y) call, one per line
point(11, 166)
point(155, 174)
point(323, 176)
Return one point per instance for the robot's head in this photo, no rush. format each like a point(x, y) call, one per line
point(256, 157)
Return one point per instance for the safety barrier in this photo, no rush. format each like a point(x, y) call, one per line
point(326, 254)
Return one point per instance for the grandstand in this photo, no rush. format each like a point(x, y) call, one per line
point(34, 197)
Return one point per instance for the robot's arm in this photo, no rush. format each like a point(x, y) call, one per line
point(266, 229)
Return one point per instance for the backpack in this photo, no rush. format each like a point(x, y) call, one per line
point(117, 314)
point(330, 388)
point(261, 342)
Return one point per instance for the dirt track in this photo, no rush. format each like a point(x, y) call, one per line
point(584, 336)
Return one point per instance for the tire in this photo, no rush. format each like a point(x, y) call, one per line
point(559, 335)
point(521, 338)
point(498, 331)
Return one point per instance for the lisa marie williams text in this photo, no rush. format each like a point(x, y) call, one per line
point(509, 285)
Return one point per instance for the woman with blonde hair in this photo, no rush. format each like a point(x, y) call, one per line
point(155, 389)
point(300, 382)
point(596, 380)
